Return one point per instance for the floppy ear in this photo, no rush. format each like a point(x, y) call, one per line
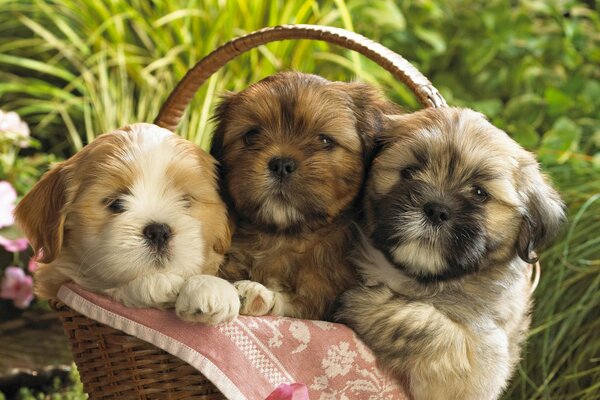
point(223, 237)
point(219, 221)
point(41, 214)
point(544, 212)
point(220, 117)
point(369, 106)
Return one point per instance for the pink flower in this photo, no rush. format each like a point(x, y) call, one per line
point(292, 391)
point(14, 245)
point(11, 122)
point(17, 286)
point(8, 195)
point(32, 266)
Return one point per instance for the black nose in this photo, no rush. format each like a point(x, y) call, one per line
point(157, 234)
point(436, 213)
point(282, 166)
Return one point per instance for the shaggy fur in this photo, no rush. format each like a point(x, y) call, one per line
point(132, 215)
point(293, 152)
point(454, 212)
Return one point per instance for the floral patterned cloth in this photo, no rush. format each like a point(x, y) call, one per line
point(252, 356)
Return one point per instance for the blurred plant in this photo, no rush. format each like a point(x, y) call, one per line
point(21, 171)
point(16, 285)
point(8, 196)
point(70, 389)
point(86, 67)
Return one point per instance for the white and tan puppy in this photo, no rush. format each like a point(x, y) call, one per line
point(455, 210)
point(134, 215)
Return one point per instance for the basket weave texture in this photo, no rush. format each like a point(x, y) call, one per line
point(115, 365)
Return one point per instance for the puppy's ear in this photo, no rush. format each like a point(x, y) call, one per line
point(217, 214)
point(221, 117)
point(223, 237)
point(370, 106)
point(392, 127)
point(544, 212)
point(41, 214)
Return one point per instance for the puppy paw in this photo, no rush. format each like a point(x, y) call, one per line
point(165, 290)
point(207, 299)
point(256, 299)
point(156, 290)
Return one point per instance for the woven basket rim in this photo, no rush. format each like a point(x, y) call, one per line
point(174, 107)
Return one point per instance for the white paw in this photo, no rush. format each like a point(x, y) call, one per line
point(256, 299)
point(164, 290)
point(207, 299)
point(157, 290)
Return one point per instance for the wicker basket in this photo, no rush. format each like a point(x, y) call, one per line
point(114, 365)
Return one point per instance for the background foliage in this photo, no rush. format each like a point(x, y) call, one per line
point(75, 68)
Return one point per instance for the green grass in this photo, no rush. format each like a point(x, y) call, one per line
point(70, 62)
point(76, 68)
point(70, 389)
point(562, 356)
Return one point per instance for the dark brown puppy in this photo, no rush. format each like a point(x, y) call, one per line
point(294, 150)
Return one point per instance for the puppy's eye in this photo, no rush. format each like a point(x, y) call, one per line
point(116, 206)
point(326, 141)
point(251, 136)
point(186, 200)
point(479, 193)
point(408, 173)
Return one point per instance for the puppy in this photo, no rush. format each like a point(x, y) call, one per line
point(133, 215)
point(454, 212)
point(293, 151)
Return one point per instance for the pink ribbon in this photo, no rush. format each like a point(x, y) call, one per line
point(292, 391)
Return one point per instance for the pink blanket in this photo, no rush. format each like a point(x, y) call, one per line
point(251, 356)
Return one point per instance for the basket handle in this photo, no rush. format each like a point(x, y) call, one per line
point(173, 109)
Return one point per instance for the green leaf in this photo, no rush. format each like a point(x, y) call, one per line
point(480, 56)
point(36, 65)
point(490, 107)
point(596, 161)
point(561, 141)
point(558, 101)
point(528, 108)
point(11, 232)
point(434, 39)
point(596, 136)
point(386, 14)
point(524, 134)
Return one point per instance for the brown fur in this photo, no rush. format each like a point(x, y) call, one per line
point(294, 238)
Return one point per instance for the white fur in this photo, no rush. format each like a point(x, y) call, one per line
point(120, 256)
point(280, 214)
point(207, 299)
point(419, 258)
point(472, 357)
point(257, 299)
point(375, 268)
point(150, 290)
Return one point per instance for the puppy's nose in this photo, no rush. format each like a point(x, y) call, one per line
point(282, 166)
point(436, 212)
point(157, 234)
